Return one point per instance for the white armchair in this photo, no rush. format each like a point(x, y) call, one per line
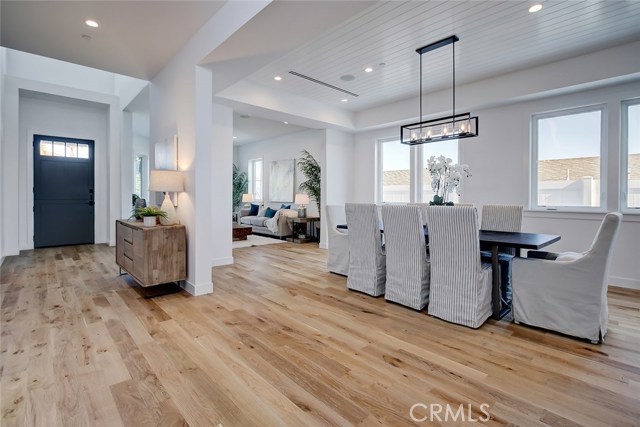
point(568, 294)
point(338, 241)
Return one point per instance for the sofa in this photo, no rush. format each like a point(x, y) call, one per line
point(278, 226)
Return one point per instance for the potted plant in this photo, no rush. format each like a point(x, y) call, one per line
point(311, 169)
point(240, 185)
point(150, 215)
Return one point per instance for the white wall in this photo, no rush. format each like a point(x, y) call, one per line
point(57, 116)
point(284, 148)
point(499, 162)
point(3, 70)
point(337, 173)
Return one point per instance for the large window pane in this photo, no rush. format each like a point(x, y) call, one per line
point(633, 156)
point(568, 165)
point(255, 179)
point(448, 149)
point(395, 174)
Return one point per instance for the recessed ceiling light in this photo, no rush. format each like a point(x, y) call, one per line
point(344, 100)
point(91, 23)
point(277, 78)
point(368, 70)
point(235, 137)
point(286, 123)
point(535, 8)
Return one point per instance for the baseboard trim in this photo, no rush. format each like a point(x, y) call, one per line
point(197, 289)
point(215, 262)
point(623, 282)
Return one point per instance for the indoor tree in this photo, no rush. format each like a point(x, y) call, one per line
point(240, 186)
point(311, 170)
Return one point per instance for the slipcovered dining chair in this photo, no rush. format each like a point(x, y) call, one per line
point(367, 264)
point(502, 218)
point(338, 241)
point(460, 288)
point(407, 264)
point(567, 292)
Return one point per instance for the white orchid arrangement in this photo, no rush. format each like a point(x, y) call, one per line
point(445, 178)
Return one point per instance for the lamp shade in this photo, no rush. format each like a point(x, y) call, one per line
point(247, 198)
point(165, 180)
point(301, 199)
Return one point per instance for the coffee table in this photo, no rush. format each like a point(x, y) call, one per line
point(240, 232)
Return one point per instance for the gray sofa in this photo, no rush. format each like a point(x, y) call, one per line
point(258, 225)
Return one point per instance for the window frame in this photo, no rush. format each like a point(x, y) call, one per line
point(624, 156)
point(533, 156)
point(251, 177)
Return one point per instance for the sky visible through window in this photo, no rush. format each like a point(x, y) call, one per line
point(570, 136)
point(634, 129)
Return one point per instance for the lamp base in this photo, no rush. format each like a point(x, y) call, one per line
point(167, 206)
point(302, 212)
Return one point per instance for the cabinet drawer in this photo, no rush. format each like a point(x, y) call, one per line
point(124, 233)
point(127, 249)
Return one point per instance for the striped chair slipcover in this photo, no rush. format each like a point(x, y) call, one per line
point(407, 263)
point(338, 241)
point(367, 268)
point(502, 218)
point(460, 283)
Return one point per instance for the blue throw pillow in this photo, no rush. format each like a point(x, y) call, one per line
point(254, 210)
point(270, 213)
point(283, 206)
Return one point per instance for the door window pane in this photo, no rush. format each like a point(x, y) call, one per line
point(46, 148)
point(568, 159)
point(83, 151)
point(72, 149)
point(59, 149)
point(395, 178)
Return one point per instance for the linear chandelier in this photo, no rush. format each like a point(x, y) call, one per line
point(456, 126)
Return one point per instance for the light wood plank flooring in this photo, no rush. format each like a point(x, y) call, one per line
point(281, 342)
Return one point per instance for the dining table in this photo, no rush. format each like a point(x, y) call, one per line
point(497, 240)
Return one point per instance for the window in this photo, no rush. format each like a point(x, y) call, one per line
point(64, 149)
point(567, 168)
point(631, 155)
point(394, 172)
point(141, 176)
point(255, 179)
point(399, 176)
point(448, 149)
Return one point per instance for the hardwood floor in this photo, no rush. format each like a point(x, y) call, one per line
point(281, 342)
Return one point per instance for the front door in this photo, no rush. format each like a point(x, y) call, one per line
point(63, 197)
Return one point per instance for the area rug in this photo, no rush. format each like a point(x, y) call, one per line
point(255, 241)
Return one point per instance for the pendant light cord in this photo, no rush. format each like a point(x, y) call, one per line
point(421, 91)
point(454, 85)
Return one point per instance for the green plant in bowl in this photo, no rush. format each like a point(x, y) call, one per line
point(150, 211)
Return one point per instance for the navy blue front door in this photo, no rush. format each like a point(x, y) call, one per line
point(63, 196)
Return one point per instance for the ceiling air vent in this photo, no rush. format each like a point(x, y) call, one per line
point(311, 79)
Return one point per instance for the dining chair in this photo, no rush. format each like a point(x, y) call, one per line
point(460, 287)
point(337, 241)
point(567, 292)
point(407, 263)
point(423, 210)
point(367, 261)
point(502, 218)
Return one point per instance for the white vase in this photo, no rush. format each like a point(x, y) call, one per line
point(149, 221)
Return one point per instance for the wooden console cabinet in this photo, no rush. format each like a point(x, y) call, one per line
point(151, 255)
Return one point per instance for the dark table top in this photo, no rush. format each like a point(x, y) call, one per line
point(506, 238)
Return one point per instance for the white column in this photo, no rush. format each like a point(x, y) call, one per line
point(221, 161)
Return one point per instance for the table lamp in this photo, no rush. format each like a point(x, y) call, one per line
point(247, 198)
point(301, 200)
point(166, 181)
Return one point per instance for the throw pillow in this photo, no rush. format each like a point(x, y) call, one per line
point(283, 206)
point(261, 212)
point(270, 213)
point(254, 210)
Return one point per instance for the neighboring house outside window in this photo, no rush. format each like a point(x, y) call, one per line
point(567, 167)
point(630, 164)
point(255, 176)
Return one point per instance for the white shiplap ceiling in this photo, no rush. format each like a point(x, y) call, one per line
point(495, 38)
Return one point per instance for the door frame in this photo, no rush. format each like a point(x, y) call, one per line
point(99, 201)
